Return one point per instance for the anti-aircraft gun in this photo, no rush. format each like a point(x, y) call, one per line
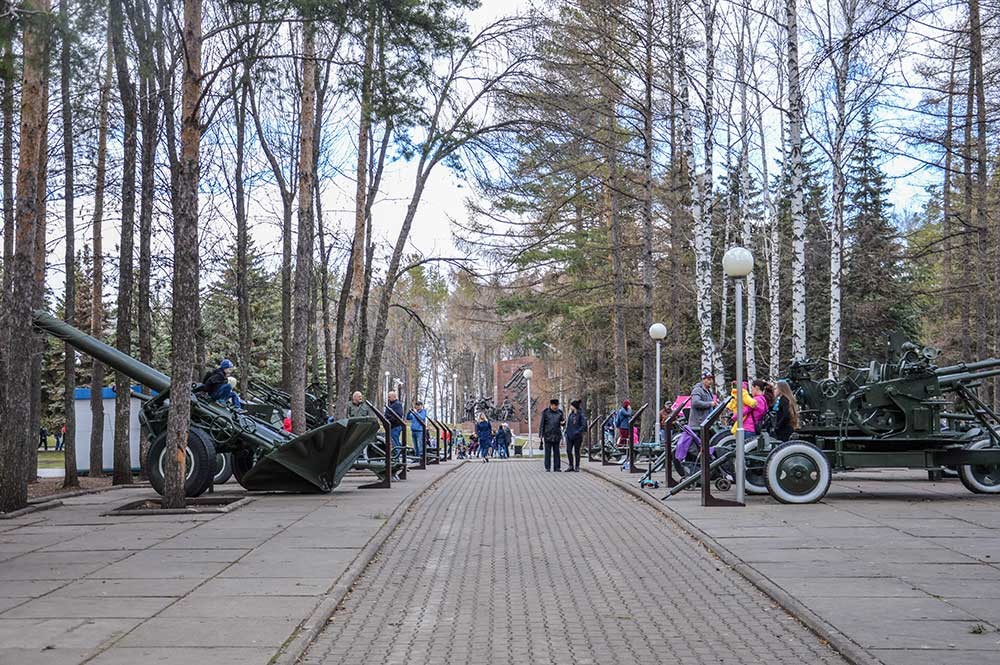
point(903, 412)
point(264, 456)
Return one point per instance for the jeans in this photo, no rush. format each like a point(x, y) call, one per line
point(573, 452)
point(484, 449)
point(503, 451)
point(418, 440)
point(394, 434)
point(225, 392)
point(552, 455)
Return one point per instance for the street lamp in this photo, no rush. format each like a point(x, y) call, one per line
point(386, 391)
point(737, 264)
point(531, 446)
point(658, 332)
point(454, 398)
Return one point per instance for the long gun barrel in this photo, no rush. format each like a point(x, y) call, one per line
point(989, 363)
point(112, 357)
point(986, 369)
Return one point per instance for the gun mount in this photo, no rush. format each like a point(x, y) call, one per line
point(903, 412)
point(264, 456)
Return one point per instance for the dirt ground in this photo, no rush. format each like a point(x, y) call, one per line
point(53, 486)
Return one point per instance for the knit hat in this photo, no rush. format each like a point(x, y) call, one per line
point(226, 364)
point(626, 403)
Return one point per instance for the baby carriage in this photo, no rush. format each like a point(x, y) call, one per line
point(687, 454)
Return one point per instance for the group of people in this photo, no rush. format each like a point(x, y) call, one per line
point(43, 438)
point(484, 442)
point(769, 407)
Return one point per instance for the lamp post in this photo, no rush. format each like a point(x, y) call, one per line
point(531, 446)
point(737, 264)
point(385, 393)
point(454, 397)
point(658, 332)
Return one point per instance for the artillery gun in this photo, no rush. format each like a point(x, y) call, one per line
point(904, 412)
point(264, 456)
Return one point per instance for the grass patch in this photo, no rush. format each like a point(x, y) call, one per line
point(50, 459)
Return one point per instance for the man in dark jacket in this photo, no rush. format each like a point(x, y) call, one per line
point(394, 408)
point(550, 432)
point(702, 400)
point(501, 441)
point(576, 425)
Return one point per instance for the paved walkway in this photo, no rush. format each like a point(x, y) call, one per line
point(217, 589)
point(907, 569)
point(503, 563)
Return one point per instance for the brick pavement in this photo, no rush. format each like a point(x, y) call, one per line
point(504, 563)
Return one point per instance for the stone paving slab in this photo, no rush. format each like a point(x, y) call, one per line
point(904, 568)
point(499, 564)
point(77, 587)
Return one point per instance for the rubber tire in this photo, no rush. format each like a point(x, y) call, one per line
point(223, 468)
point(815, 454)
point(242, 462)
point(970, 482)
point(200, 449)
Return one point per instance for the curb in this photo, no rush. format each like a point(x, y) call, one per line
point(841, 643)
point(310, 628)
point(31, 508)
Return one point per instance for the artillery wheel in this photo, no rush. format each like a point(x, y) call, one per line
point(223, 468)
point(243, 461)
point(797, 472)
point(723, 484)
point(199, 466)
point(980, 479)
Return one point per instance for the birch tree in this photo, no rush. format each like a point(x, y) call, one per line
point(795, 173)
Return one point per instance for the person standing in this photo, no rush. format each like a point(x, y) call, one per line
point(576, 425)
point(786, 412)
point(43, 438)
point(502, 441)
point(550, 432)
point(418, 419)
point(394, 414)
point(61, 439)
point(484, 432)
point(702, 400)
point(358, 408)
point(622, 420)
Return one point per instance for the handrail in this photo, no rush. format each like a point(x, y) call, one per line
point(604, 448)
point(590, 439)
point(403, 442)
point(630, 444)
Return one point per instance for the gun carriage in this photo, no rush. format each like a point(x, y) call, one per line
point(904, 412)
point(264, 456)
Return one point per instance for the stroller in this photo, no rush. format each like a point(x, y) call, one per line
point(687, 454)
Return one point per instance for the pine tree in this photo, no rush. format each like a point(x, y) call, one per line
point(876, 291)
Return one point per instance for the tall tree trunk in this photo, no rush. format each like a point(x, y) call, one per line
point(329, 342)
point(356, 269)
point(97, 292)
point(746, 227)
point(70, 478)
point(984, 326)
point(795, 170)
point(242, 291)
point(8, 30)
point(947, 228)
point(185, 278)
point(150, 128)
point(701, 204)
point(649, 368)
point(842, 65)
point(38, 295)
point(123, 328)
point(304, 254)
point(17, 335)
point(772, 249)
point(968, 230)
